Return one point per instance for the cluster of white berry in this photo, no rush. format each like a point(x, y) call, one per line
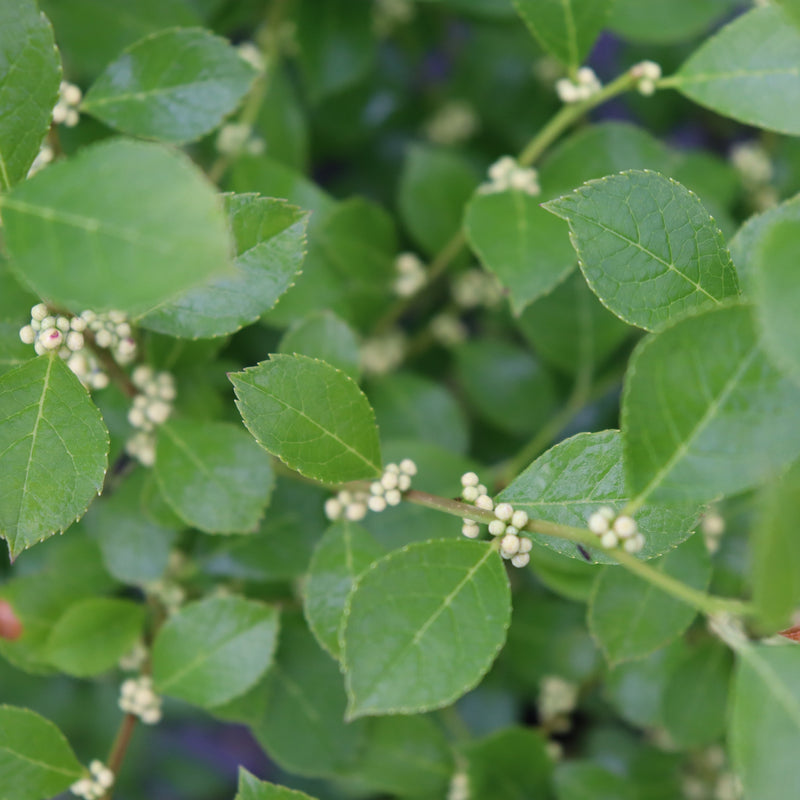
point(168, 592)
point(112, 331)
point(647, 74)
point(386, 491)
point(138, 698)
point(753, 164)
point(95, 787)
point(557, 699)
point(613, 529)
point(383, 354)
point(66, 109)
point(411, 275)
point(48, 332)
point(151, 408)
point(585, 86)
point(712, 525)
point(235, 138)
point(507, 522)
point(45, 155)
point(506, 173)
point(474, 288)
point(250, 52)
point(134, 659)
point(453, 123)
point(448, 329)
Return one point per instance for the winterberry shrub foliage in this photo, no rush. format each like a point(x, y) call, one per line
point(409, 388)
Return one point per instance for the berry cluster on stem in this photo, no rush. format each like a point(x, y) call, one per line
point(386, 491)
point(613, 530)
point(94, 787)
point(138, 698)
point(152, 406)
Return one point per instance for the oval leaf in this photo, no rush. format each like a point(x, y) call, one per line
point(123, 225)
point(270, 247)
point(630, 618)
point(343, 553)
point(35, 759)
point(174, 85)
point(94, 634)
point(311, 415)
point(647, 247)
point(251, 788)
point(577, 476)
point(214, 650)
point(29, 77)
point(53, 451)
point(703, 411)
point(213, 475)
point(757, 84)
point(406, 616)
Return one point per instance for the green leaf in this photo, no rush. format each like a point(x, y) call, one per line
point(647, 247)
point(213, 475)
point(251, 788)
point(215, 649)
point(432, 599)
point(525, 248)
point(311, 415)
point(123, 225)
point(571, 329)
point(324, 336)
point(134, 548)
point(756, 85)
point(566, 28)
point(764, 728)
point(303, 728)
point(343, 553)
point(569, 577)
point(434, 186)
point(694, 706)
point(270, 246)
point(580, 780)
point(174, 85)
point(776, 294)
point(92, 635)
point(631, 618)
point(506, 384)
point(410, 406)
point(511, 764)
point(35, 759)
point(698, 422)
point(668, 22)
point(29, 77)
point(791, 8)
point(53, 447)
point(776, 552)
point(577, 476)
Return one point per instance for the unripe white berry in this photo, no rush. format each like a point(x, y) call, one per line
point(598, 523)
point(39, 312)
point(469, 479)
point(634, 544)
point(333, 508)
point(123, 330)
point(408, 467)
point(142, 375)
point(158, 411)
point(404, 483)
point(136, 417)
point(392, 468)
point(79, 364)
point(117, 317)
point(519, 519)
point(74, 341)
point(51, 338)
point(484, 501)
point(151, 716)
point(376, 503)
point(497, 527)
point(509, 544)
point(525, 545)
point(609, 540)
point(512, 530)
point(78, 324)
point(100, 381)
point(470, 530)
point(504, 511)
point(470, 493)
point(39, 348)
point(521, 560)
point(376, 487)
point(482, 489)
point(625, 526)
point(27, 334)
point(393, 497)
point(104, 338)
point(62, 323)
point(389, 480)
point(356, 511)
point(346, 497)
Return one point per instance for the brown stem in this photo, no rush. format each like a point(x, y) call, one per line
point(120, 747)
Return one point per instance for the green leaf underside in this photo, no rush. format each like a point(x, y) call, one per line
point(566, 28)
point(439, 598)
point(214, 650)
point(251, 788)
point(123, 225)
point(92, 635)
point(173, 85)
point(270, 247)
point(764, 732)
point(698, 422)
point(647, 247)
point(53, 451)
point(311, 415)
point(631, 618)
point(323, 335)
point(677, 21)
point(29, 77)
point(577, 476)
point(35, 759)
point(343, 553)
point(776, 292)
point(213, 475)
point(749, 71)
point(525, 248)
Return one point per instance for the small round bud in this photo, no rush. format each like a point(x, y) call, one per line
point(392, 468)
point(408, 467)
point(142, 375)
point(39, 312)
point(376, 503)
point(484, 501)
point(376, 488)
point(509, 544)
point(158, 411)
point(470, 530)
point(27, 334)
point(469, 479)
point(404, 482)
point(598, 523)
point(39, 348)
point(74, 341)
point(609, 540)
point(497, 527)
point(504, 511)
point(393, 497)
point(519, 519)
point(356, 511)
point(136, 417)
point(51, 338)
point(634, 544)
point(333, 508)
point(521, 560)
point(625, 526)
point(512, 530)
point(104, 338)
point(100, 381)
point(79, 364)
point(482, 489)
point(389, 480)
point(525, 544)
point(470, 493)
point(62, 323)
point(78, 324)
